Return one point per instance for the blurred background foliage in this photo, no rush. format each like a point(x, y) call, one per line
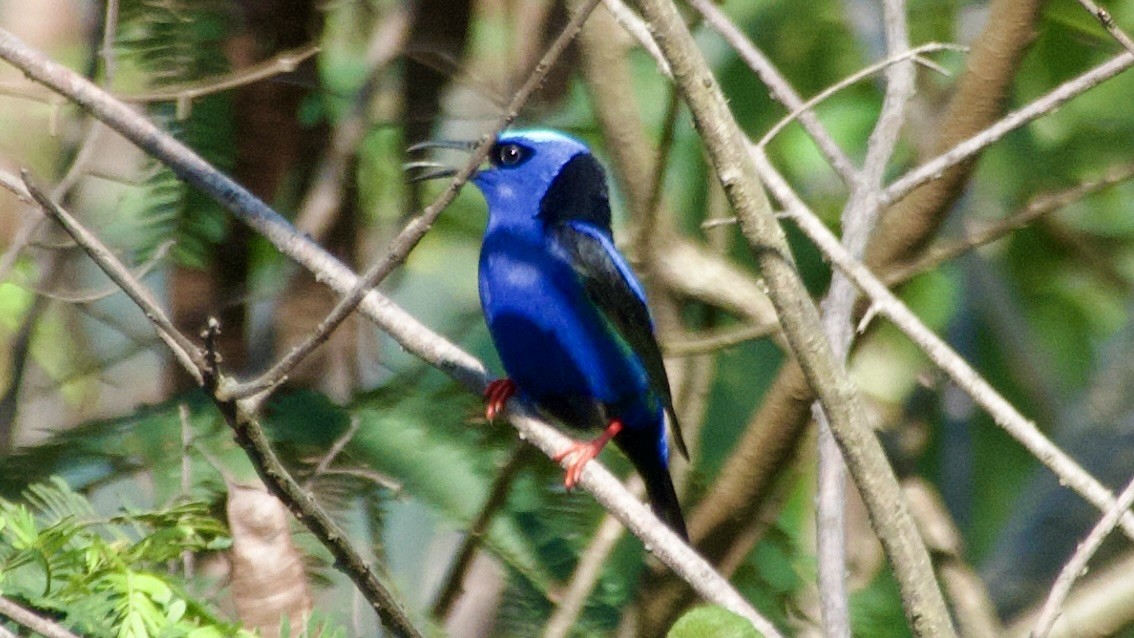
point(473, 529)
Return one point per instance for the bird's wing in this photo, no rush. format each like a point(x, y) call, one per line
point(612, 287)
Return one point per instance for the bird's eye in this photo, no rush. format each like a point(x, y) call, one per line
point(509, 155)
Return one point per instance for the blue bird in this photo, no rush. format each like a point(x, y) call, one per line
point(567, 315)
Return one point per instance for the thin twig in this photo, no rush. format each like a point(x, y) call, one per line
point(638, 29)
point(1037, 108)
point(1035, 209)
point(713, 340)
point(1077, 565)
point(911, 54)
point(79, 298)
point(780, 89)
point(188, 354)
point(185, 94)
point(336, 448)
point(1107, 21)
point(33, 621)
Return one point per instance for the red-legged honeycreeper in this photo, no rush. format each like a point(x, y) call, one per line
point(567, 315)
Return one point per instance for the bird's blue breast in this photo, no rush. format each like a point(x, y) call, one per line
point(552, 341)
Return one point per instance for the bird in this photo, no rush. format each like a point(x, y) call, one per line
point(568, 317)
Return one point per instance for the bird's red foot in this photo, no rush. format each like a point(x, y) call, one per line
point(582, 451)
point(496, 395)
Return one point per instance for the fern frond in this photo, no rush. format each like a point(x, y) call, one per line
point(175, 42)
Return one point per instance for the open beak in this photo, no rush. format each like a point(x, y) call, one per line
point(434, 170)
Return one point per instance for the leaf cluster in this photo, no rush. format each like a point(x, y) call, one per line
point(107, 577)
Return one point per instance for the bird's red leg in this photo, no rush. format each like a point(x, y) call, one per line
point(496, 395)
point(582, 451)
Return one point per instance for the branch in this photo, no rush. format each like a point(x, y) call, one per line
point(967, 148)
point(32, 620)
point(241, 417)
point(187, 353)
point(725, 143)
point(859, 218)
point(1077, 565)
point(780, 89)
point(1107, 21)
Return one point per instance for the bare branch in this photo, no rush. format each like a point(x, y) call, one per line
point(859, 218)
point(913, 54)
point(1107, 21)
point(1077, 565)
point(1042, 106)
point(637, 28)
point(33, 621)
point(188, 354)
point(780, 89)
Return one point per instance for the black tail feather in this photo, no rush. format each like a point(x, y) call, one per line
point(642, 452)
point(663, 500)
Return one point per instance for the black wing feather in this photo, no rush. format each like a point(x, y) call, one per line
point(621, 302)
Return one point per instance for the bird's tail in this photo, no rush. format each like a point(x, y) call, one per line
point(642, 450)
point(663, 500)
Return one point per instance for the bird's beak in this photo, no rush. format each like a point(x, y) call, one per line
point(434, 170)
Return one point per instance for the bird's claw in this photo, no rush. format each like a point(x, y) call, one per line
point(496, 395)
point(580, 452)
point(577, 457)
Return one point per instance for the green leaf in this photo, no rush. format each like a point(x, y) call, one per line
point(711, 620)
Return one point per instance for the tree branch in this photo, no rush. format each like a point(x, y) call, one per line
point(32, 620)
point(1077, 565)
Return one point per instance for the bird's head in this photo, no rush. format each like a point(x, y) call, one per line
point(540, 173)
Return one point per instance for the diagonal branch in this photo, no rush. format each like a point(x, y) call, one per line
point(32, 620)
point(1078, 563)
point(188, 354)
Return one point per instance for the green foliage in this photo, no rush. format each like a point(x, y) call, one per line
point(105, 577)
point(711, 620)
point(175, 43)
